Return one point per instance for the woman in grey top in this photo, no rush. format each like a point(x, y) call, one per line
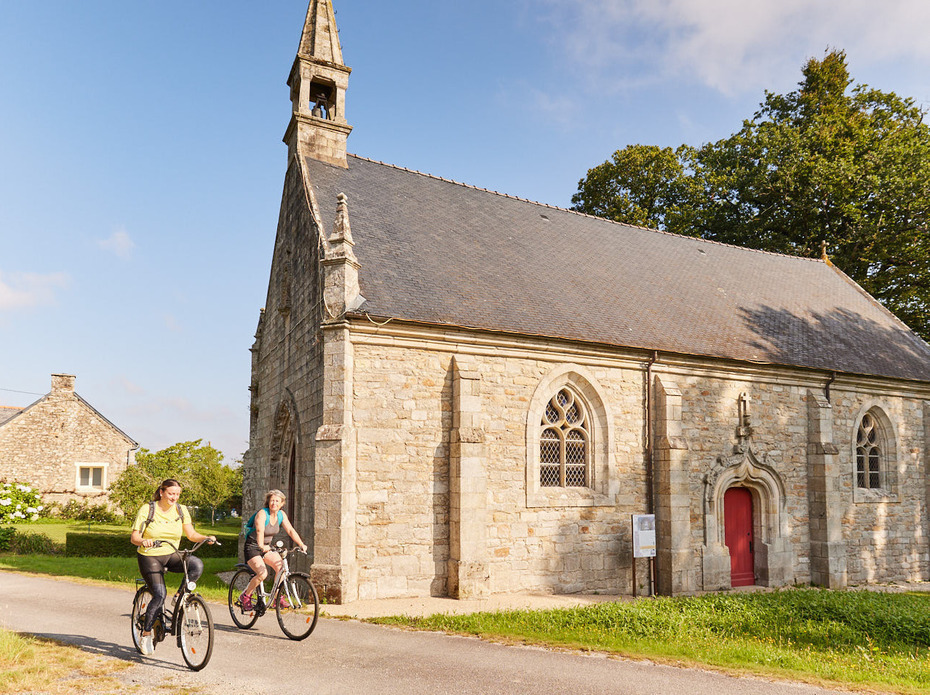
point(258, 553)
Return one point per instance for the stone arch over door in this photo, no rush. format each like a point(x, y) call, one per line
point(285, 468)
point(772, 556)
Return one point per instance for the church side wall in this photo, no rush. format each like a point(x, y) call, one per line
point(287, 372)
point(403, 415)
point(402, 411)
point(43, 446)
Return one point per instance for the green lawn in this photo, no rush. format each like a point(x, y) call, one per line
point(855, 639)
point(56, 529)
point(122, 571)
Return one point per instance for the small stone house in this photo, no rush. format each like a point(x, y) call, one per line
point(466, 393)
point(63, 446)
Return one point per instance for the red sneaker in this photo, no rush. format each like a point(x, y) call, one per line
point(245, 602)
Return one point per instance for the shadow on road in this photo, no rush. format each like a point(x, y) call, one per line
point(117, 651)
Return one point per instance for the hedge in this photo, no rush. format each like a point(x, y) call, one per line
point(117, 545)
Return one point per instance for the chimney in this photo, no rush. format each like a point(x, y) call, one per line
point(62, 384)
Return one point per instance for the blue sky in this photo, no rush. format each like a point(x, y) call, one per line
point(141, 161)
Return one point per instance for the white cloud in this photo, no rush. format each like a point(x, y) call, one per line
point(732, 46)
point(118, 243)
point(171, 323)
point(25, 290)
point(130, 387)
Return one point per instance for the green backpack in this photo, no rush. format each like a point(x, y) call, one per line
point(249, 525)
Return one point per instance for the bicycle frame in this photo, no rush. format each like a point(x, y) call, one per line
point(278, 580)
point(169, 616)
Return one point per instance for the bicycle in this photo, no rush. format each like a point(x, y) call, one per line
point(188, 619)
point(293, 596)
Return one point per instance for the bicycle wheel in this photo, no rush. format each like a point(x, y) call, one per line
point(243, 619)
point(196, 633)
point(139, 605)
point(297, 606)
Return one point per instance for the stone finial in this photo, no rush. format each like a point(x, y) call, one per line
point(823, 252)
point(342, 230)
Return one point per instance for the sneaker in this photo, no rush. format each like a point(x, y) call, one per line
point(245, 602)
point(146, 646)
point(283, 603)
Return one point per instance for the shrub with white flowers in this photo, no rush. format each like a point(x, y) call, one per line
point(19, 502)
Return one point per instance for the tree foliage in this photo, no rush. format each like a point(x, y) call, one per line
point(206, 481)
point(830, 162)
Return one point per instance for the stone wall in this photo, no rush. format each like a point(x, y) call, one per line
point(44, 444)
point(403, 415)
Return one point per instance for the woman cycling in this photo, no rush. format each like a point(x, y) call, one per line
point(163, 519)
point(258, 553)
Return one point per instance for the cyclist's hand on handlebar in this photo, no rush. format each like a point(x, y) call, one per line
point(211, 540)
point(149, 543)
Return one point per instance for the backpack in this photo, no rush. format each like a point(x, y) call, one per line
point(151, 516)
point(249, 525)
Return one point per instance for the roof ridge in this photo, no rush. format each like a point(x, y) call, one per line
point(581, 214)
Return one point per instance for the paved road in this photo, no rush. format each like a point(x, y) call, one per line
point(343, 656)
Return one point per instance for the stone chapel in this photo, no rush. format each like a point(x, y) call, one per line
point(465, 393)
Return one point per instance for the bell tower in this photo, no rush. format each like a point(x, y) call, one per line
point(318, 83)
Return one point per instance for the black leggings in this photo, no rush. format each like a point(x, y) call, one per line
point(153, 569)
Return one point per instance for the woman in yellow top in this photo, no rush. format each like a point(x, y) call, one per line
point(168, 521)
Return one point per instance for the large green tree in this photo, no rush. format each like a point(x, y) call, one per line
point(199, 469)
point(830, 162)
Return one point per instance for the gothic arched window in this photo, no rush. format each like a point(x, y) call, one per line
point(870, 449)
point(564, 442)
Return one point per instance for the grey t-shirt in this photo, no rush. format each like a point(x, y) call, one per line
point(272, 528)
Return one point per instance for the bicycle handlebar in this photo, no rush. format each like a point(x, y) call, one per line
point(158, 544)
point(282, 551)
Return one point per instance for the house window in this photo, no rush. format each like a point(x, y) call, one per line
point(91, 476)
point(869, 450)
point(564, 446)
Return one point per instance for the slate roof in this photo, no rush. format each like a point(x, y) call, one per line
point(8, 412)
point(440, 252)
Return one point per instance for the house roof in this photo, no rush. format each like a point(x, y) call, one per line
point(8, 412)
point(436, 251)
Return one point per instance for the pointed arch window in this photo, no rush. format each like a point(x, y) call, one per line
point(870, 449)
point(564, 442)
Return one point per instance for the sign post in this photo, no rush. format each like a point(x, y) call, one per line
point(644, 542)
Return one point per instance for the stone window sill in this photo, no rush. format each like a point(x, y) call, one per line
point(863, 495)
point(567, 497)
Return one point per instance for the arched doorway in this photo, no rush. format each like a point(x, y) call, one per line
point(284, 471)
point(766, 557)
point(737, 521)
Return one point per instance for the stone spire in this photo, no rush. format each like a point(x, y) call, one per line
point(318, 83)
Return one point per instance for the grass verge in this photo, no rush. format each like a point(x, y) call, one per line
point(32, 664)
point(121, 571)
point(854, 639)
point(57, 529)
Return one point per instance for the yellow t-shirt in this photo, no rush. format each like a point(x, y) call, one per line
point(165, 526)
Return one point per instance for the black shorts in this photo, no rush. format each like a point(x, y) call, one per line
point(252, 550)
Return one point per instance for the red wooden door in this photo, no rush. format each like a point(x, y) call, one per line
point(737, 520)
